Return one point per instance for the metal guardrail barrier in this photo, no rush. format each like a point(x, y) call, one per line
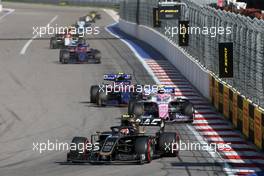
point(247, 37)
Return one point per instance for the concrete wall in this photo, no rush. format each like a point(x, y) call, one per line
point(1, 7)
point(187, 65)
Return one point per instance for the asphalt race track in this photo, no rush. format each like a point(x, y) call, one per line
point(43, 100)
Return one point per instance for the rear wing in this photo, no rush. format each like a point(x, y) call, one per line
point(165, 89)
point(117, 77)
point(143, 120)
point(169, 90)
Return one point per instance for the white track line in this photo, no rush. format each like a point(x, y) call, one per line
point(9, 11)
point(215, 155)
point(213, 127)
point(25, 47)
point(112, 13)
point(219, 133)
point(136, 54)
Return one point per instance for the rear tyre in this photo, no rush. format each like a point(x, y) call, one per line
point(82, 41)
point(101, 98)
point(167, 142)
point(97, 54)
point(64, 56)
point(93, 92)
point(53, 43)
point(138, 109)
point(144, 149)
point(130, 107)
point(188, 110)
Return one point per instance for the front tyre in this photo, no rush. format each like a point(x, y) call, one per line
point(93, 92)
point(76, 153)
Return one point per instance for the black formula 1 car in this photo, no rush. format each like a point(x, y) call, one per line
point(118, 92)
point(125, 144)
point(80, 54)
point(95, 15)
point(57, 41)
point(91, 17)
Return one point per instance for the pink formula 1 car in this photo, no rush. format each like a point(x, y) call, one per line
point(165, 105)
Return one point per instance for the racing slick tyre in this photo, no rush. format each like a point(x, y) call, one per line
point(188, 110)
point(97, 54)
point(101, 98)
point(64, 56)
point(168, 141)
point(93, 92)
point(144, 149)
point(130, 106)
point(76, 154)
point(53, 43)
point(98, 17)
point(82, 41)
point(138, 109)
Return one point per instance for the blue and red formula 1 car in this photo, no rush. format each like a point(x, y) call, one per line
point(119, 92)
point(80, 54)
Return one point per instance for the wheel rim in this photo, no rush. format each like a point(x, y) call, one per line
point(150, 151)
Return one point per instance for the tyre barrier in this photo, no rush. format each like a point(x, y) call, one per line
point(244, 115)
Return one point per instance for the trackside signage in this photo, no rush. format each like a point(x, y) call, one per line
point(226, 60)
point(156, 18)
point(183, 34)
point(169, 12)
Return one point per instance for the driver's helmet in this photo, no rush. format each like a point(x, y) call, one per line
point(71, 29)
point(120, 77)
point(161, 90)
point(124, 131)
point(93, 15)
point(80, 45)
